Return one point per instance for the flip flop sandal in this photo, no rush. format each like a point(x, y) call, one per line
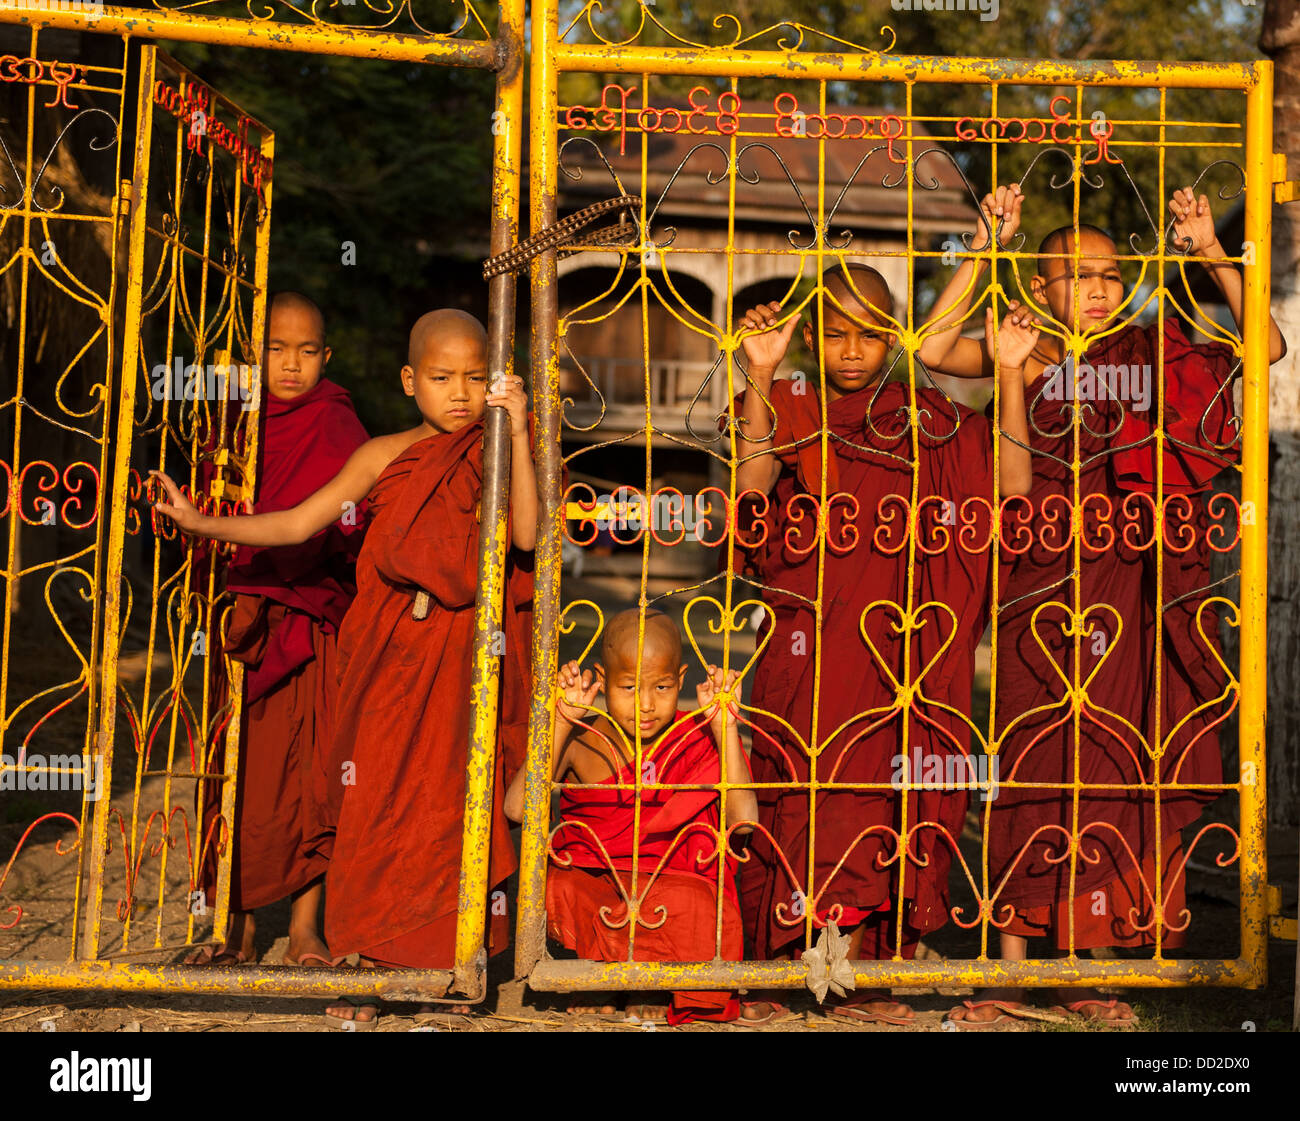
point(1007, 1010)
point(1077, 1008)
point(325, 963)
point(215, 955)
point(857, 1013)
point(775, 1011)
point(341, 1023)
point(630, 1017)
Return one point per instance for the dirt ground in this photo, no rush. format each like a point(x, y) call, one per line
point(42, 883)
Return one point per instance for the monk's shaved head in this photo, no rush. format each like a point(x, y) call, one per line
point(871, 288)
point(662, 640)
point(444, 323)
point(1061, 240)
point(296, 301)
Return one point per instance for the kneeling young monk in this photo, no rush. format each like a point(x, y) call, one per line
point(674, 845)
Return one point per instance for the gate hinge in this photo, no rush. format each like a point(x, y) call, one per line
point(1279, 926)
point(123, 200)
point(1284, 190)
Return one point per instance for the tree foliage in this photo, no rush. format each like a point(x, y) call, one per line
point(396, 158)
point(390, 161)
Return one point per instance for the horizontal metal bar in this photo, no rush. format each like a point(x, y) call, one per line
point(239, 980)
point(479, 54)
point(724, 62)
point(571, 976)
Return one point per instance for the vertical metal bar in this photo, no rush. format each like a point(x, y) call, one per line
point(470, 964)
point(98, 639)
point(530, 931)
point(112, 587)
point(1254, 533)
point(235, 684)
point(1156, 745)
point(203, 614)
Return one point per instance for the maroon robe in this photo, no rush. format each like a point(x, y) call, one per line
point(589, 878)
point(289, 602)
point(1029, 828)
point(860, 724)
point(403, 712)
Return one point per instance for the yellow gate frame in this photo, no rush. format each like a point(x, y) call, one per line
point(503, 54)
point(551, 57)
point(832, 60)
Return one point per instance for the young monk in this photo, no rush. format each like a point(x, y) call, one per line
point(858, 642)
point(402, 711)
point(1030, 867)
point(289, 603)
point(590, 882)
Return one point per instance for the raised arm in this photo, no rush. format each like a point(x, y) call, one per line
point(285, 527)
point(1015, 341)
point(765, 345)
point(944, 348)
point(1194, 221)
point(742, 805)
point(523, 477)
point(577, 689)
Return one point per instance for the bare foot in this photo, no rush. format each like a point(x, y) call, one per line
point(307, 945)
point(647, 1013)
point(240, 947)
point(446, 1009)
point(1091, 1005)
point(364, 1011)
point(592, 1004)
point(304, 929)
point(872, 1007)
point(760, 1010)
point(986, 1010)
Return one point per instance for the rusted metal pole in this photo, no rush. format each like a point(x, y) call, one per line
point(471, 957)
point(245, 980)
point(530, 932)
point(304, 38)
point(1253, 666)
point(97, 842)
point(566, 976)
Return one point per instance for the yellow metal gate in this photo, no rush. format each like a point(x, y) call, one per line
point(121, 680)
point(162, 292)
point(112, 650)
point(638, 355)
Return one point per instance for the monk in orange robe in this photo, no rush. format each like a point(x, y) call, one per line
point(402, 711)
point(289, 603)
point(863, 579)
point(668, 864)
point(1111, 899)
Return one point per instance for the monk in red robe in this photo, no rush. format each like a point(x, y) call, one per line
point(402, 710)
point(289, 603)
point(881, 860)
point(603, 858)
point(1105, 894)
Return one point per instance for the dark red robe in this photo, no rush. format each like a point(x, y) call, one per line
point(589, 880)
point(289, 602)
point(1029, 828)
point(403, 712)
point(861, 714)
